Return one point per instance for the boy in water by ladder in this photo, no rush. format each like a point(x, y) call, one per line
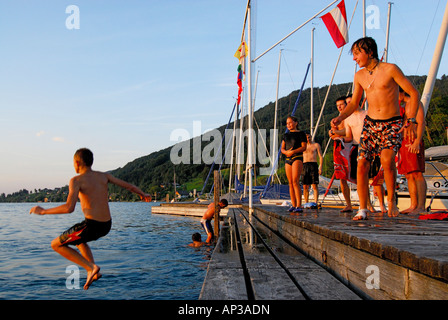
point(91, 188)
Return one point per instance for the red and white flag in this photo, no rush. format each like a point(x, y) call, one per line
point(336, 23)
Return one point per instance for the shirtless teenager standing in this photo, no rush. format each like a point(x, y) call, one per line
point(311, 170)
point(383, 124)
point(353, 130)
point(91, 188)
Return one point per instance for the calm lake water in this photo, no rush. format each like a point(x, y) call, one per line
point(144, 256)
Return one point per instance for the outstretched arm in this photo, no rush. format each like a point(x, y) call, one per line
point(128, 186)
point(67, 207)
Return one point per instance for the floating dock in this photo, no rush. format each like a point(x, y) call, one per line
point(184, 209)
point(322, 254)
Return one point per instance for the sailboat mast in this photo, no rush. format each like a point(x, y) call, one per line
point(386, 51)
point(312, 83)
point(434, 68)
point(250, 108)
point(364, 33)
point(232, 163)
point(275, 138)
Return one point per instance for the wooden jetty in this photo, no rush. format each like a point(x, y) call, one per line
point(323, 254)
point(184, 209)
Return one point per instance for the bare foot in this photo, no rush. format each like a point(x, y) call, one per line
point(418, 211)
point(408, 210)
point(347, 209)
point(393, 210)
point(97, 276)
point(361, 215)
point(91, 275)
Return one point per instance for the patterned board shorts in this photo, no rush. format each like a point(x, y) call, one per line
point(378, 135)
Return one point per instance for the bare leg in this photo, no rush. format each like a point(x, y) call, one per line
point(379, 190)
point(296, 172)
point(85, 251)
point(316, 193)
point(369, 204)
point(74, 256)
point(412, 188)
point(421, 187)
point(390, 176)
point(288, 170)
point(306, 192)
point(346, 194)
point(363, 188)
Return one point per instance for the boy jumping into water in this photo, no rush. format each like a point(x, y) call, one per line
point(91, 188)
point(383, 124)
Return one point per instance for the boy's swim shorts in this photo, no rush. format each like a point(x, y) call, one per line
point(378, 135)
point(88, 230)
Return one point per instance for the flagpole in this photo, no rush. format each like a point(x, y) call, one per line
point(434, 68)
point(295, 30)
point(332, 77)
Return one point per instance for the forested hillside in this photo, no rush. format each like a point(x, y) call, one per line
point(154, 173)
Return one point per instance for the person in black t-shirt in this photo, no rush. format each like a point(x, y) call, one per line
point(293, 146)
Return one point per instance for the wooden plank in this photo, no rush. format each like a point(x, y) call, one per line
point(408, 253)
point(317, 282)
point(224, 279)
point(186, 210)
point(269, 280)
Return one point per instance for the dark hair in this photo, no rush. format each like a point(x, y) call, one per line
point(85, 155)
point(196, 237)
point(293, 118)
point(368, 44)
point(341, 99)
point(224, 202)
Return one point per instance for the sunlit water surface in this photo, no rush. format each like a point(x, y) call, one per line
point(144, 256)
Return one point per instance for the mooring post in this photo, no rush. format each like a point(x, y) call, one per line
point(217, 191)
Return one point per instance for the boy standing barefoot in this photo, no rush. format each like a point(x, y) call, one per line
point(91, 189)
point(383, 124)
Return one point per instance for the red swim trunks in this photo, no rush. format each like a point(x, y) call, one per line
point(411, 162)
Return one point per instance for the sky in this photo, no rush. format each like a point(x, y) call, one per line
point(119, 77)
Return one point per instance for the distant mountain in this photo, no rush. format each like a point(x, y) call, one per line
point(154, 173)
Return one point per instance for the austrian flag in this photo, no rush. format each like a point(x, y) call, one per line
point(336, 23)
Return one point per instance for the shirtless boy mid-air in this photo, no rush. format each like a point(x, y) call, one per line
point(91, 188)
point(383, 124)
